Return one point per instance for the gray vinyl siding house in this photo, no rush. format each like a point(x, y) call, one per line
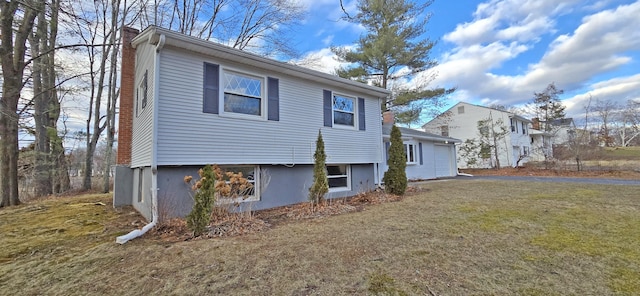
point(197, 102)
point(429, 156)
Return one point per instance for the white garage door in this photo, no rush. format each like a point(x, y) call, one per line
point(443, 161)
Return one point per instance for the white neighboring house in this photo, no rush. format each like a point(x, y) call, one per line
point(461, 122)
point(429, 156)
point(187, 102)
point(541, 145)
point(563, 131)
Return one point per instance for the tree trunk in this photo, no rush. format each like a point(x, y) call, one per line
point(39, 47)
point(112, 97)
point(12, 54)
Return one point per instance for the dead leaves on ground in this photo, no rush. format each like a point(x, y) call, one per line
point(225, 223)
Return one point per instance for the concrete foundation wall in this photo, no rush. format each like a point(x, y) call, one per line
point(123, 186)
point(288, 185)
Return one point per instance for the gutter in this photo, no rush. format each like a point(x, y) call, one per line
point(154, 151)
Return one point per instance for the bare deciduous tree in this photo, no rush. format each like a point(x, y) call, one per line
point(605, 109)
point(17, 19)
point(256, 25)
point(628, 122)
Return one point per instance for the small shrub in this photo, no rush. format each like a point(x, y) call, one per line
point(395, 178)
point(204, 199)
point(320, 185)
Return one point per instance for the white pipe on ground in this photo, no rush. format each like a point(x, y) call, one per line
point(463, 174)
point(154, 158)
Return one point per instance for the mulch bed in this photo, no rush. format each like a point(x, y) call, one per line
point(225, 224)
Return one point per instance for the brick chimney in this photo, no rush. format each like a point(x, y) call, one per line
point(535, 123)
point(388, 118)
point(127, 93)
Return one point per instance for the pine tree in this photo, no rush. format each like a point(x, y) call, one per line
point(395, 49)
point(395, 178)
point(547, 106)
point(320, 184)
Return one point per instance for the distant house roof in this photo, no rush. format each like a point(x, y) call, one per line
point(562, 121)
point(539, 132)
point(408, 132)
point(510, 114)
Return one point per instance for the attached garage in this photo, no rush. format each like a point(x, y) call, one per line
point(444, 160)
point(429, 156)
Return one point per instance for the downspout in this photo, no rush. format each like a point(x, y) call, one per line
point(154, 151)
point(381, 143)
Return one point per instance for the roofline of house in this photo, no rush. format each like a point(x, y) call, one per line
point(152, 34)
point(511, 114)
point(539, 132)
point(430, 138)
point(426, 136)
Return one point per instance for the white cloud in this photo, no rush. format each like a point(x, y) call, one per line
point(502, 30)
point(323, 60)
point(508, 20)
point(619, 89)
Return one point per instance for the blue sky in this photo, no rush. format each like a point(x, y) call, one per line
point(502, 51)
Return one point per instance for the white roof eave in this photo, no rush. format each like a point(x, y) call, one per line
point(151, 34)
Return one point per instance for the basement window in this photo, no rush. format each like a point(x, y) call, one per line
point(339, 177)
point(249, 172)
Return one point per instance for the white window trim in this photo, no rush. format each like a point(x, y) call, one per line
point(340, 189)
point(263, 95)
point(140, 91)
point(408, 147)
point(355, 112)
point(256, 187)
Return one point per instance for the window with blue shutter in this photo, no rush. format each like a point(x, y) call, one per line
point(273, 106)
point(211, 91)
point(343, 111)
point(386, 151)
point(328, 117)
point(361, 119)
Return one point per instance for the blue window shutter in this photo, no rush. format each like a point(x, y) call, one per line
point(420, 151)
point(328, 118)
point(386, 151)
point(211, 91)
point(361, 121)
point(273, 107)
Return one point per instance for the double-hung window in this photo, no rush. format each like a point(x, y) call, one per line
point(243, 94)
point(410, 151)
point(338, 176)
point(344, 110)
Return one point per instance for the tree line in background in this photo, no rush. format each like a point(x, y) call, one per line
point(60, 61)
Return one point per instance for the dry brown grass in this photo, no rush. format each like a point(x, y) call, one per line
point(458, 237)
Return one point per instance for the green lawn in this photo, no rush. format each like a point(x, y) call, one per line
point(622, 153)
point(456, 237)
